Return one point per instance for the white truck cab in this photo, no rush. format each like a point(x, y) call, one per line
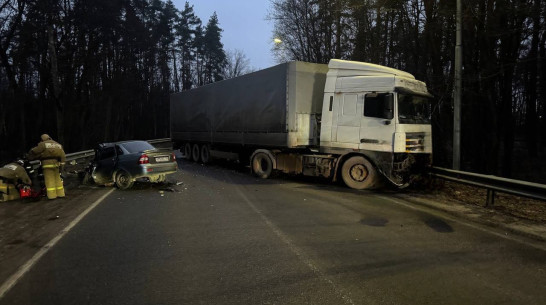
point(380, 112)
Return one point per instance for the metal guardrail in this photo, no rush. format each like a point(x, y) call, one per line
point(79, 155)
point(493, 184)
point(87, 153)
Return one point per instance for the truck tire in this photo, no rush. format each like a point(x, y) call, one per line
point(195, 153)
point(205, 153)
point(262, 166)
point(187, 151)
point(358, 173)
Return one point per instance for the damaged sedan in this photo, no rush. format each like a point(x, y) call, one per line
point(123, 163)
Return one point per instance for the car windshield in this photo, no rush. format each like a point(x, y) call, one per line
point(413, 109)
point(137, 146)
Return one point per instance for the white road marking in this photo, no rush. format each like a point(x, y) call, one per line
point(297, 251)
point(12, 280)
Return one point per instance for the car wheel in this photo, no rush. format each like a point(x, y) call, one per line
point(195, 153)
point(187, 151)
point(205, 153)
point(124, 180)
point(262, 166)
point(358, 173)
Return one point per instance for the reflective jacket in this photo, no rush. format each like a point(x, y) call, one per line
point(46, 150)
point(14, 172)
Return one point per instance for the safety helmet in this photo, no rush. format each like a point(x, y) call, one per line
point(45, 137)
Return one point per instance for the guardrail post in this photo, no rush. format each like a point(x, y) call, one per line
point(490, 198)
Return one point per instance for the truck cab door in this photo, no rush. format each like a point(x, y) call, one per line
point(377, 124)
point(346, 125)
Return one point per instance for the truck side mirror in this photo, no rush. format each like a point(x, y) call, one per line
point(388, 104)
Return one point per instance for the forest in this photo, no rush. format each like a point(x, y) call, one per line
point(93, 71)
point(102, 70)
point(504, 67)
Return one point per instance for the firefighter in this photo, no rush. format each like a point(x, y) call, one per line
point(13, 173)
point(52, 157)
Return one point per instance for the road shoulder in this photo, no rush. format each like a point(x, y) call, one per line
point(485, 216)
point(27, 227)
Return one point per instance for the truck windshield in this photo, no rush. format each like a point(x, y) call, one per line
point(413, 109)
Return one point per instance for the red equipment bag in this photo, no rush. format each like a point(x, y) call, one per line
point(25, 192)
point(28, 192)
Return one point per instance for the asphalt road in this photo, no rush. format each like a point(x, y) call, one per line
point(224, 237)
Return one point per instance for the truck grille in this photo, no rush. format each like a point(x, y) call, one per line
point(415, 141)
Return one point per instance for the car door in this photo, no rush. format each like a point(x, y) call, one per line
point(105, 165)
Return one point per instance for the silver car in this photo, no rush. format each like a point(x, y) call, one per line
point(125, 162)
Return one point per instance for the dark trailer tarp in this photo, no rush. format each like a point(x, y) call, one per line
point(272, 107)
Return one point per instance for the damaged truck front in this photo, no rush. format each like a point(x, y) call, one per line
point(347, 119)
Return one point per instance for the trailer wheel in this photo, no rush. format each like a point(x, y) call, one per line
point(262, 166)
point(358, 173)
point(187, 151)
point(205, 153)
point(195, 153)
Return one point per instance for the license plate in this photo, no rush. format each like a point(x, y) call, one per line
point(162, 159)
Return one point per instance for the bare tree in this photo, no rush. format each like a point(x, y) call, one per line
point(237, 64)
point(311, 30)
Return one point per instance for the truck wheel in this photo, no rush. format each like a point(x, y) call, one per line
point(124, 180)
point(187, 151)
point(262, 166)
point(358, 173)
point(195, 153)
point(205, 153)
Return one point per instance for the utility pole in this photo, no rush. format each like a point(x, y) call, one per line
point(457, 91)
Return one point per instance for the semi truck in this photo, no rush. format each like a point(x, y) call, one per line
point(361, 122)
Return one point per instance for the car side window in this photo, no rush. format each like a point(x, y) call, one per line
point(107, 153)
point(119, 151)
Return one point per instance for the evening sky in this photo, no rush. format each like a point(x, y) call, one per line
point(244, 26)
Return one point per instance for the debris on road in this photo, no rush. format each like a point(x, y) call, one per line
point(168, 189)
point(53, 218)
